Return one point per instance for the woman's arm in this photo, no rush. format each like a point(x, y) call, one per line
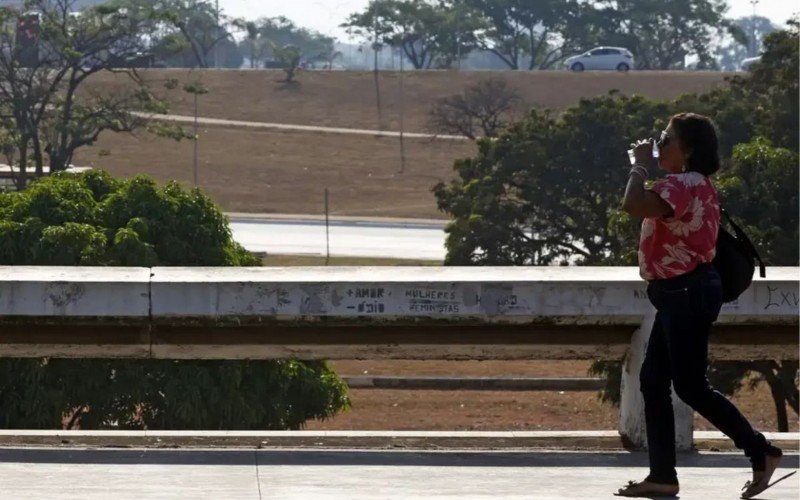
point(641, 202)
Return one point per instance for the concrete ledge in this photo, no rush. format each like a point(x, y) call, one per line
point(422, 440)
point(363, 313)
point(474, 383)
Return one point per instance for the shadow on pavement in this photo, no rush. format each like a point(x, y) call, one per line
point(365, 458)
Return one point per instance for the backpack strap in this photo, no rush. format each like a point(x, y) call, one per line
point(746, 242)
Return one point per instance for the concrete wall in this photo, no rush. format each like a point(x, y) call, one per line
point(569, 295)
point(424, 313)
point(561, 295)
point(313, 313)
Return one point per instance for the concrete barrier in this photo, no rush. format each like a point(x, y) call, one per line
point(371, 313)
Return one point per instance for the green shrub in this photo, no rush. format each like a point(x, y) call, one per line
point(92, 219)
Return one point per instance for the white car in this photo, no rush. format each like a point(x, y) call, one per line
point(611, 58)
point(747, 63)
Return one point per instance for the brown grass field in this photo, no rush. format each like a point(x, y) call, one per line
point(286, 172)
point(384, 409)
point(347, 98)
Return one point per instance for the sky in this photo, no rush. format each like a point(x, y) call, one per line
point(326, 15)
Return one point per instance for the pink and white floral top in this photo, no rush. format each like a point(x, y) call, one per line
point(671, 246)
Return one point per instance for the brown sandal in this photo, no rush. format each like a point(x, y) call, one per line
point(648, 489)
point(756, 486)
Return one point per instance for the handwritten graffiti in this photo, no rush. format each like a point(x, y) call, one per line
point(282, 297)
point(370, 307)
point(778, 298)
point(429, 307)
point(508, 301)
point(366, 293)
point(415, 293)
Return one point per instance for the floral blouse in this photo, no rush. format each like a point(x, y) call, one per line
point(671, 246)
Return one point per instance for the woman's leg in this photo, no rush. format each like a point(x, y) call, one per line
point(654, 380)
point(687, 336)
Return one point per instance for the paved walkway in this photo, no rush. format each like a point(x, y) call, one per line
point(221, 122)
point(313, 474)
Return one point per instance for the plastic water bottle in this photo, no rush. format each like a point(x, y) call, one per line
point(656, 153)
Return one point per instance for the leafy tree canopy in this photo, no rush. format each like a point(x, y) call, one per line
point(732, 51)
point(548, 188)
point(661, 35)
point(541, 33)
point(92, 219)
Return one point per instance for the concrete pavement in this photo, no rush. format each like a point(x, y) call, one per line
point(595, 440)
point(90, 474)
point(248, 125)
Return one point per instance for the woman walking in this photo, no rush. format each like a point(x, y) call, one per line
point(677, 245)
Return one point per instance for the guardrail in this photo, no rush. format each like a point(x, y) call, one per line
point(371, 313)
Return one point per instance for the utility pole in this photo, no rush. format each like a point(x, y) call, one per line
point(216, 46)
point(327, 232)
point(375, 47)
point(196, 88)
point(402, 106)
point(195, 139)
point(458, 36)
point(753, 29)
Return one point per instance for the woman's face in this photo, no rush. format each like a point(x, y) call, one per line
point(671, 154)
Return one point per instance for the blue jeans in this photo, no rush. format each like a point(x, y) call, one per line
point(677, 352)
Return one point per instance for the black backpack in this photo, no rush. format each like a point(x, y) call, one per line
point(735, 260)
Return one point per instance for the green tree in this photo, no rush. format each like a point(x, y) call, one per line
point(273, 34)
point(288, 57)
point(546, 189)
point(760, 187)
point(544, 32)
point(406, 24)
point(774, 88)
point(430, 34)
point(253, 43)
point(42, 97)
point(456, 32)
point(662, 35)
point(191, 33)
point(92, 219)
point(732, 52)
point(373, 26)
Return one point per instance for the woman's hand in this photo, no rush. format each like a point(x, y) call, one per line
point(643, 153)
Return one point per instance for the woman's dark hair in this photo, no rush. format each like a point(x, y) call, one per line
point(699, 137)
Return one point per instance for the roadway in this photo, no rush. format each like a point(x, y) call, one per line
point(398, 239)
point(90, 474)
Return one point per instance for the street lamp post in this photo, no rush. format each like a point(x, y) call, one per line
point(458, 37)
point(753, 29)
point(196, 88)
point(402, 125)
point(216, 46)
point(195, 140)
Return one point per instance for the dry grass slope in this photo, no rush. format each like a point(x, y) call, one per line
point(286, 172)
